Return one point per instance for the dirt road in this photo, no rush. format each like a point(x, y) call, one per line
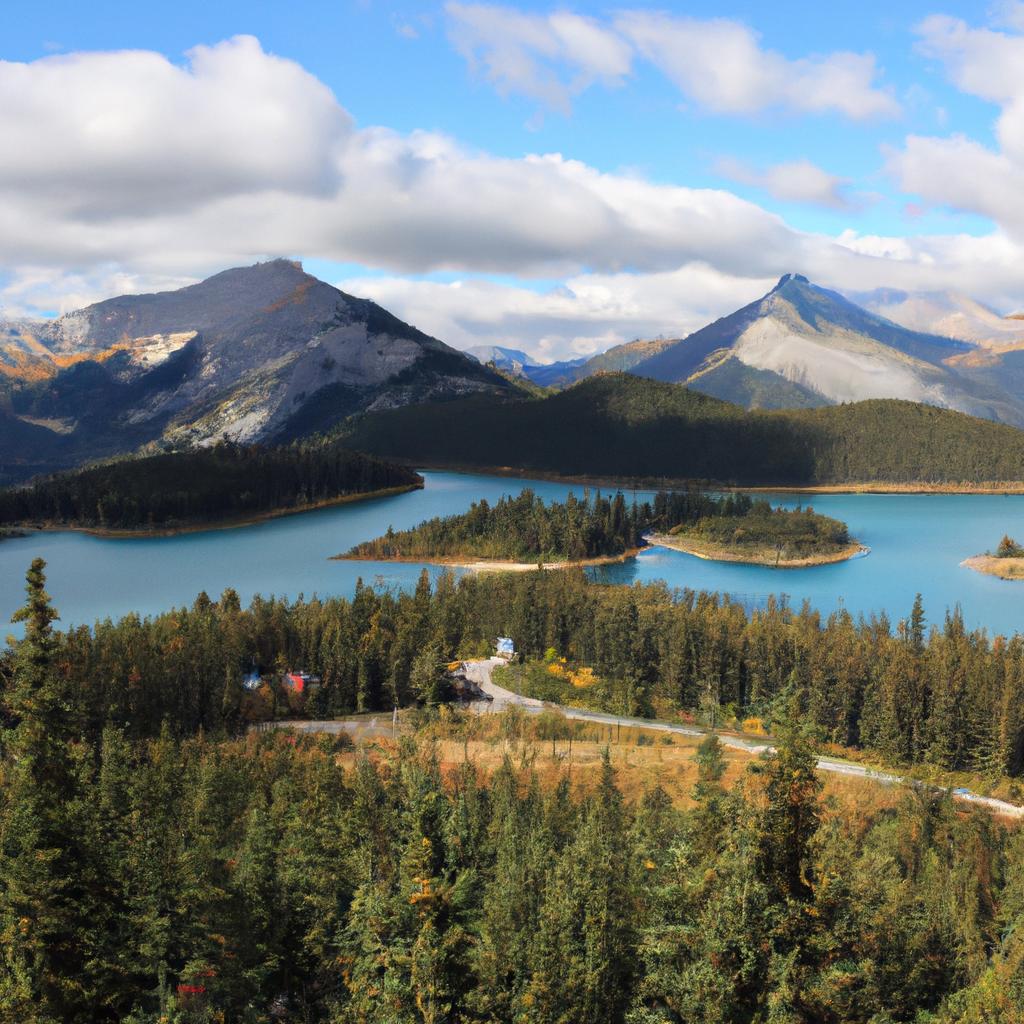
point(481, 673)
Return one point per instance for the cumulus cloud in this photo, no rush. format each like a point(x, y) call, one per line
point(716, 63)
point(126, 158)
point(103, 133)
point(549, 58)
point(957, 171)
point(591, 312)
point(795, 181)
point(587, 314)
point(721, 65)
point(127, 172)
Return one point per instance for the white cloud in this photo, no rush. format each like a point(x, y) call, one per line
point(101, 133)
point(794, 181)
point(716, 63)
point(125, 172)
point(31, 290)
point(588, 314)
point(549, 58)
point(957, 171)
point(721, 65)
point(594, 311)
point(126, 158)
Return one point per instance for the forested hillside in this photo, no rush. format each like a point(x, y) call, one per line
point(624, 426)
point(201, 485)
point(150, 878)
point(950, 698)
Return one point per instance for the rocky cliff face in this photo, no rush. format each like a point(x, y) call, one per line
point(256, 353)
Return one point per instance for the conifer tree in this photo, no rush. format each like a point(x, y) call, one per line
point(43, 907)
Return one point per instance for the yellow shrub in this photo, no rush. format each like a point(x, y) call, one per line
point(583, 678)
point(754, 725)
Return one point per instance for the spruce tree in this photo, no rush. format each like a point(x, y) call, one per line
point(43, 915)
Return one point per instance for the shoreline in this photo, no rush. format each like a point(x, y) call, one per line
point(493, 564)
point(760, 556)
point(215, 524)
point(1000, 568)
point(649, 483)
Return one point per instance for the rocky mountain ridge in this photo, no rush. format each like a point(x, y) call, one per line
point(257, 353)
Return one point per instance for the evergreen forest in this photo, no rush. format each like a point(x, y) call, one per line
point(623, 426)
point(156, 870)
point(200, 485)
point(524, 528)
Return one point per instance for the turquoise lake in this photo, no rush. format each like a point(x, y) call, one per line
point(917, 543)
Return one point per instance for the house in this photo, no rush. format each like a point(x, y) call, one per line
point(299, 682)
point(505, 648)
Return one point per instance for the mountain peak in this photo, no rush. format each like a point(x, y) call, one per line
point(787, 278)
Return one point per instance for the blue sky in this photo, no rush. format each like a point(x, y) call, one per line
point(870, 142)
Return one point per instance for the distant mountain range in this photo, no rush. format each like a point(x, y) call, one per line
point(270, 353)
point(561, 374)
point(805, 346)
point(948, 314)
point(258, 353)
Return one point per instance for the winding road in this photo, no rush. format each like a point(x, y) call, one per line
point(481, 672)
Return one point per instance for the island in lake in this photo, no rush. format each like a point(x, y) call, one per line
point(519, 533)
point(738, 528)
point(222, 485)
point(523, 533)
point(1007, 563)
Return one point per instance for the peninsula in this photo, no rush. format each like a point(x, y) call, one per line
point(200, 488)
point(1007, 563)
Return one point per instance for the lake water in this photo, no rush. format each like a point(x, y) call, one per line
point(917, 543)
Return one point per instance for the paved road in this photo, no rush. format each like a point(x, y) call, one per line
point(481, 673)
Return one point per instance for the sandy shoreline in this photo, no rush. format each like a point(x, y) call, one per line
point(494, 564)
point(1002, 568)
point(760, 556)
point(216, 524)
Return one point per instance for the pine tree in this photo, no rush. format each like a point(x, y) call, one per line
point(43, 909)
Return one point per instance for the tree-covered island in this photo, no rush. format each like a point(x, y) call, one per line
point(225, 483)
point(737, 528)
point(1007, 563)
point(520, 530)
point(523, 531)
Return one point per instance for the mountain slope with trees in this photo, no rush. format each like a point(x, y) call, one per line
point(624, 426)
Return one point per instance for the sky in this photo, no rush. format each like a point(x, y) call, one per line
point(552, 178)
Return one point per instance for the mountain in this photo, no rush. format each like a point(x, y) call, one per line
point(511, 360)
point(625, 426)
point(567, 371)
point(801, 345)
point(257, 353)
point(949, 314)
point(619, 358)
